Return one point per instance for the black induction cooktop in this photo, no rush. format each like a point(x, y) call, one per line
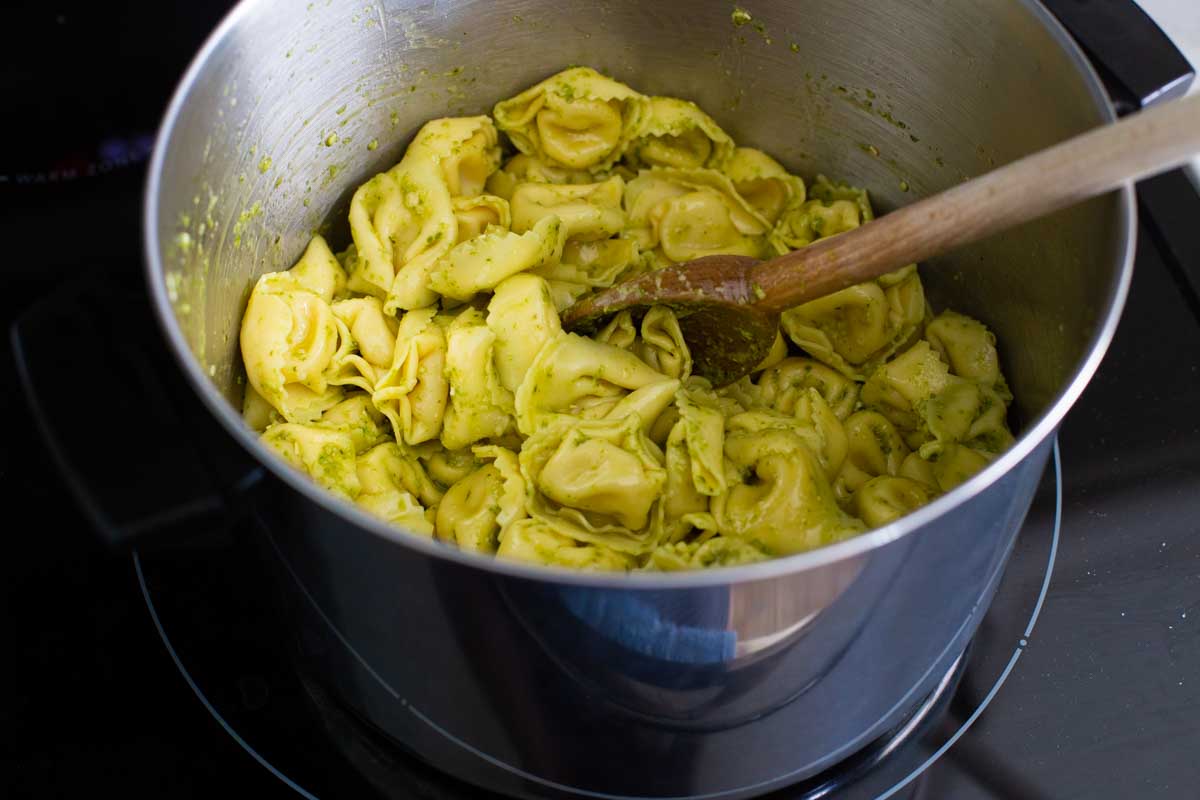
point(159, 673)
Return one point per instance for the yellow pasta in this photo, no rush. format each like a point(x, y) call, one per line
point(524, 168)
point(594, 264)
point(763, 181)
point(577, 119)
point(480, 407)
point(289, 338)
point(327, 456)
point(537, 542)
point(474, 216)
point(480, 264)
point(412, 394)
point(390, 487)
point(885, 498)
point(678, 134)
point(685, 214)
point(681, 499)
point(477, 507)
point(575, 377)
point(364, 327)
point(784, 504)
point(856, 329)
point(358, 417)
point(596, 481)
point(522, 316)
point(588, 211)
point(423, 373)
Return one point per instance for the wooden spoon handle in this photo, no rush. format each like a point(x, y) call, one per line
point(1092, 163)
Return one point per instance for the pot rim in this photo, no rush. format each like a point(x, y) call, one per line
point(1043, 428)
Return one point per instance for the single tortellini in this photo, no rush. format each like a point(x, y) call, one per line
point(886, 498)
point(578, 119)
point(480, 407)
point(465, 149)
point(391, 486)
point(831, 209)
point(402, 222)
point(785, 503)
point(445, 467)
point(686, 214)
point(620, 331)
point(873, 448)
point(704, 434)
point(956, 463)
point(588, 211)
point(536, 541)
point(595, 480)
point(967, 412)
point(412, 394)
point(480, 264)
point(805, 223)
point(289, 339)
point(478, 507)
point(681, 499)
point(702, 223)
point(899, 388)
point(968, 347)
point(475, 215)
point(827, 191)
point(946, 467)
point(573, 376)
point(319, 271)
point(857, 328)
point(719, 551)
point(676, 133)
point(523, 168)
point(764, 183)
point(363, 324)
point(781, 386)
point(662, 345)
point(649, 403)
point(813, 422)
point(405, 471)
point(523, 318)
point(358, 417)
point(325, 455)
point(920, 470)
point(594, 264)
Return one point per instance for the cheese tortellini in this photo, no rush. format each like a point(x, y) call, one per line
point(423, 374)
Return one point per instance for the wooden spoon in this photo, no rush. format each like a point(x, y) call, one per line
point(728, 306)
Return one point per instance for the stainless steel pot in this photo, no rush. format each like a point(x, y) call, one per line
point(717, 684)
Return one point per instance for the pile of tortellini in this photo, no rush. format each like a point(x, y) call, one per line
point(423, 373)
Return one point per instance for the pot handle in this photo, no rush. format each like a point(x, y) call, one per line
point(1138, 63)
point(1140, 66)
point(120, 422)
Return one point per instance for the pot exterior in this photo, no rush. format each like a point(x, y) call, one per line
point(540, 688)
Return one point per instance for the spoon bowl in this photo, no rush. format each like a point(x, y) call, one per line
point(714, 300)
